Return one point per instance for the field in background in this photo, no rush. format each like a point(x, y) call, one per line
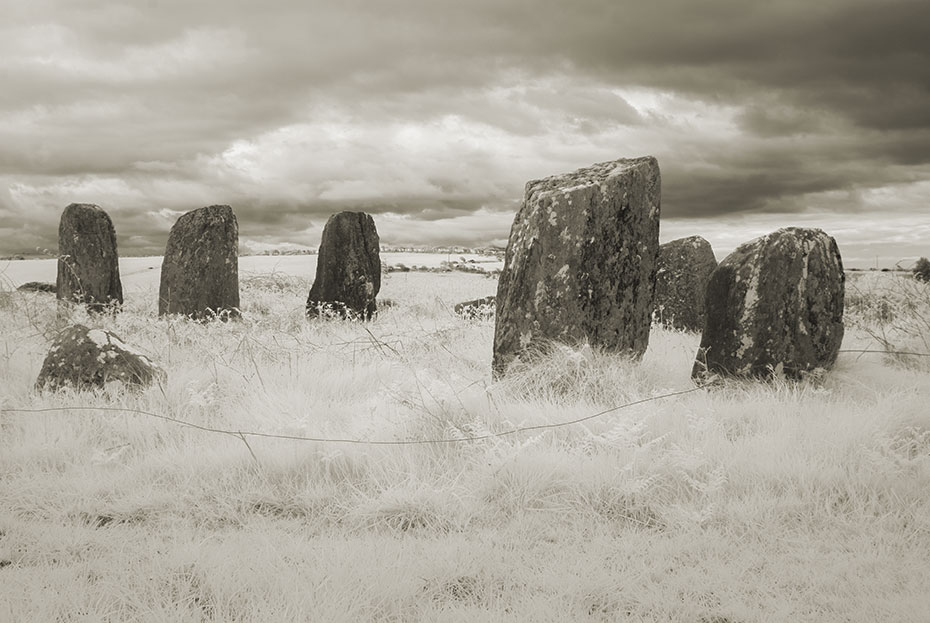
point(744, 502)
point(143, 273)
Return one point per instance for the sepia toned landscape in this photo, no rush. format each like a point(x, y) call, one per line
point(742, 501)
point(499, 311)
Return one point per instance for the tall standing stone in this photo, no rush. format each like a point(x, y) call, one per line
point(684, 269)
point(348, 268)
point(774, 305)
point(200, 272)
point(581, 261)
point(88, 263)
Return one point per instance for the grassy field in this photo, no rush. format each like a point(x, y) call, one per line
point(745, 502)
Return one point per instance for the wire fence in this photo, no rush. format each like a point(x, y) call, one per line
point(244, 434)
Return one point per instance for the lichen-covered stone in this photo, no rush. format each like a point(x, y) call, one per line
point(348, 269)
point(88, 263)
point(200, 272)
point(580, 262)
point(684, 267)
point(83, 358)
point(477, 309)
point(774, 306)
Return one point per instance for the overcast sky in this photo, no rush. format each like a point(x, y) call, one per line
point(433, 114)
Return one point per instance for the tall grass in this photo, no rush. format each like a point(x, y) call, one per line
point(743, 502)
point(894, 310)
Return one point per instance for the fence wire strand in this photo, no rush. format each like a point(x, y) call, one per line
point(376, 442)
point(242, 434)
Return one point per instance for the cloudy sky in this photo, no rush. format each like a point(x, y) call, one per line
point(433, 114)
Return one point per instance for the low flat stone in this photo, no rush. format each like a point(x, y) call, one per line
point(38, 286)
point(477, 309)
point(83, 358)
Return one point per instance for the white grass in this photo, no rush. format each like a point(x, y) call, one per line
point(748, 502)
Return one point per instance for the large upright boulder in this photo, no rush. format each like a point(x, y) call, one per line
point(200, 272)
point(684, 267)
point(348, 268)
point(88, 264)
point(581, 261)
point(82, 358)
point(774, 305)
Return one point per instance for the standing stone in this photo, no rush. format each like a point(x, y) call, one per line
point(684, 268)
point(83, 358)
point(88, 264)
point(200, 272)
point(581, 261)
point(348, 268)
point(774, 305)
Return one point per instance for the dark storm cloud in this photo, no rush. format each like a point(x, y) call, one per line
point(845, 56)
point(777, 119)
point(866, 60)
point(771, 176)
point(439, 110)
